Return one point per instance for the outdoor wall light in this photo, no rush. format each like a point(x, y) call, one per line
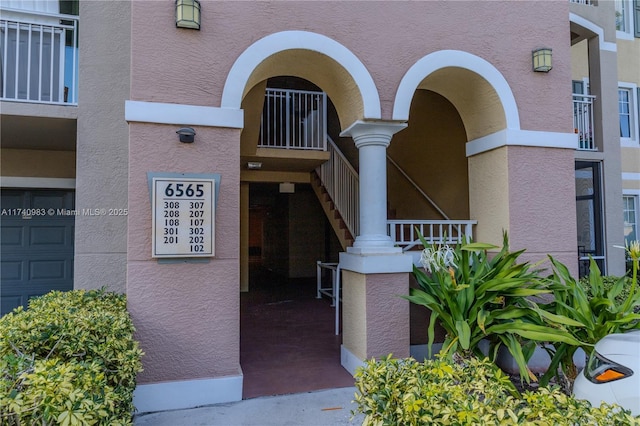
point(186, 134)
point(188, 14)
point(542, 59)
point(254, 165)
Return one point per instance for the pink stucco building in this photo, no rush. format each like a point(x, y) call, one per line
point(431, 109)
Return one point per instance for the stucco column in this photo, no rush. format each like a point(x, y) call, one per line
point(375, 273)
point(603, 81)
point(372, 140)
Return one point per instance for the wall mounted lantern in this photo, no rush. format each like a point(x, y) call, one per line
point(188, 14)
point(186, 134)
point(542, 59)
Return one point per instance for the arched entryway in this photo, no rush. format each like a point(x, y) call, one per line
point(288, 342)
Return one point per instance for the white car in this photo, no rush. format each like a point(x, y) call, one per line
point(612, 373)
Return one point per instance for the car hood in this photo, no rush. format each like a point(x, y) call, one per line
point(619, 344)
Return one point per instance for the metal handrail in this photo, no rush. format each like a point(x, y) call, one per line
point(294, 119)
point(343, 186)
point(404, 233)
point(417, 188)
point(583, 121)
point(37, 70)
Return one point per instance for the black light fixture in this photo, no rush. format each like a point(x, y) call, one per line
point(188, 14)
point(542, 59)
point(186, 134)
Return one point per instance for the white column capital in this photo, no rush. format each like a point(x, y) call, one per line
point(373, 132)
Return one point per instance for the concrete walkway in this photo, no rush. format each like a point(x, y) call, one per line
point(321, 408)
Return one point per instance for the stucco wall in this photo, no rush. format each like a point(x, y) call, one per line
point(38, 163)
point(186, 314)
point(489, 194)
point(102, 144)
point(629, 61)
point(542, 204)
point(503, 33)
point(431, 152)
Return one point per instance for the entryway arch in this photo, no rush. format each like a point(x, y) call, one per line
point(288, 62)
point(480, 97)
point(314, 57)
point(474, 86)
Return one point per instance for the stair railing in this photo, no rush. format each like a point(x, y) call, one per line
point(417, 188)
point(404, 233)
point(343, 186)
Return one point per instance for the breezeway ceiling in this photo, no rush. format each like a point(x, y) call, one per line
point(55, 134)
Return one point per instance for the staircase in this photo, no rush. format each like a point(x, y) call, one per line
point(337, 186)
point(297, 119)
point(345, 236)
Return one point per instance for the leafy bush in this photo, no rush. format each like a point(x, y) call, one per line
point(594, 316)
point(69, 359)
point(477, 298)
point(439, 392)
point(608, 282)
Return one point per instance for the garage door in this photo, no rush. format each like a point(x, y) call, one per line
point(36, 243)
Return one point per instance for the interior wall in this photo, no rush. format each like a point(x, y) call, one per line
point(290, 231)
point(306, 232)
point(431, 150)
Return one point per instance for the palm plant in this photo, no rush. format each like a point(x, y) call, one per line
point(475, 297)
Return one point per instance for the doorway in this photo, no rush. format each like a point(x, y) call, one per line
point(589, 216)
point(287, 338)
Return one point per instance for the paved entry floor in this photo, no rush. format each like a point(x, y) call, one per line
point(288, 342)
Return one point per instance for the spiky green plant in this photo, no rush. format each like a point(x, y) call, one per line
point(594, 316)
point(475, 296)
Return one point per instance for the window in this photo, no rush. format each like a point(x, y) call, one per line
point(628, 114)
point(627, 18)
point(622, 15)
point(630, 211)
point(624, 109)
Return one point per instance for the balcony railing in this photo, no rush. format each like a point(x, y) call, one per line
point(39, 54)
point(294, 119)
point(583, 121)
point(587, 2)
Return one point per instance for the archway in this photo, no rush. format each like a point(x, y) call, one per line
point(281, 321)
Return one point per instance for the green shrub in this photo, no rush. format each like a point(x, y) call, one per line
point(608, 282)
point(69, 359)
point(594, 315)
point(471, 392)
point(479, 297)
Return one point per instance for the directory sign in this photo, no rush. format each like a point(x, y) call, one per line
point(183, 217)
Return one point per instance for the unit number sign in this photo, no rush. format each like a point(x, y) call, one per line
point(183, 217)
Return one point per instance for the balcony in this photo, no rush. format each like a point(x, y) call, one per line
point(39, 54)
point(586, 2)
point(294, 119)
point(583, 121)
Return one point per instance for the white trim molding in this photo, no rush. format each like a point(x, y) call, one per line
point(630, 176)
point(183, 394)
point(522, 138)
point(349, 361)
point(454, 58)
point(37, 182)
point(255, 54)
point(585, 23)
point(387, 263)
point(187, 115)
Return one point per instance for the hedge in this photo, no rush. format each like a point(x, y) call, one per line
point(467, 392)
point(69, 359)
